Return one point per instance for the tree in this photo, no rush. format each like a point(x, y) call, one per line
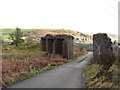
point(16, 36)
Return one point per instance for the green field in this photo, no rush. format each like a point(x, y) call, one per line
point(39, 32)
point(6, 38)
point(5, 33)
point(8, 31)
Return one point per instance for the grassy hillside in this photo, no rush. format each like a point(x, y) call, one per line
point(97, 77)
point(112, 36)
point(37, 33)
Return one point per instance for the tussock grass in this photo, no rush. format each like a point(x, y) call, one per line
point(97, 77)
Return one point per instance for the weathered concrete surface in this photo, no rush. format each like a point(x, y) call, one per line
point(70, 75)
point(101, 43)
point(58, 44)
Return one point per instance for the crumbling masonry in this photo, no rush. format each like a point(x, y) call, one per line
point(101, 43)
point(58, 44)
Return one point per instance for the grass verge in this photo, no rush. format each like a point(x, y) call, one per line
point(96, 77)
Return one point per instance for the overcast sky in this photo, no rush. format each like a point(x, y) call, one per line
point(79, 15)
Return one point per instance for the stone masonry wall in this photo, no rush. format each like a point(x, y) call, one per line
point(101, 43)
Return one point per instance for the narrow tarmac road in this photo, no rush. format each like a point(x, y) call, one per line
point(70, 75)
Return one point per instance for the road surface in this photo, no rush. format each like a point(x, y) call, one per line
point(70, 75)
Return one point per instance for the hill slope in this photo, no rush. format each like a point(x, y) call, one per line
point(37, 33)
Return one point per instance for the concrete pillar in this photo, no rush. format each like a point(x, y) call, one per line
point(101, 43)
point(65, 49)
point(43, 44)
point(59, 46)
point(70, 47)
point(50, 45)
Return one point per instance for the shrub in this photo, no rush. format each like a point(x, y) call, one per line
point(106, 59)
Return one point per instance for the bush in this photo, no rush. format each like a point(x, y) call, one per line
point(106, 59)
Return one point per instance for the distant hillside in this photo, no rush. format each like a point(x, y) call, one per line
point(112, 36)
point(38, 33)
